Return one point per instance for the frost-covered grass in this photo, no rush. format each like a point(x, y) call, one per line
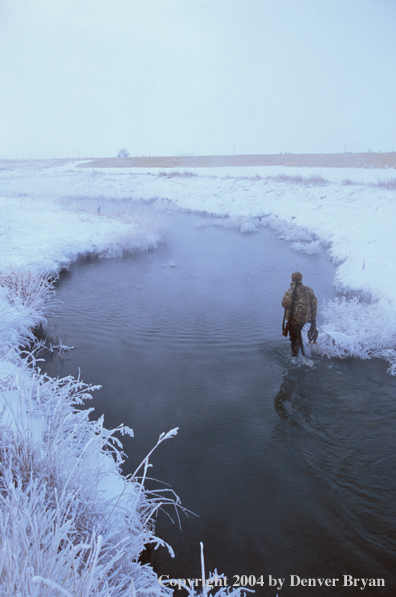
point(357, 329)
point(381, 183)
point(312, 180)
point(388, 183)
point(310, 248)
point(66, 522)
point(25, 299)
point(177, 173)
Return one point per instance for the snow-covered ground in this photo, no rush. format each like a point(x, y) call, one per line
point(54, 469)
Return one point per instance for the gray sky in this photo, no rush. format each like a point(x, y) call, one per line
point(89, 77)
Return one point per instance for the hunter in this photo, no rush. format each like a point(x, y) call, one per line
point(300, 304)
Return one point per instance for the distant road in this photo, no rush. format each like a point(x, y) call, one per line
point(330, 160)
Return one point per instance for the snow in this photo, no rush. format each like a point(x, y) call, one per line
point(56, 465)
point(42, 236)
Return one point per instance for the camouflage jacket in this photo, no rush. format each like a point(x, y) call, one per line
point(306, 304)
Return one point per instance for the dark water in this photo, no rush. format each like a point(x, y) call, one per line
point(289, 467)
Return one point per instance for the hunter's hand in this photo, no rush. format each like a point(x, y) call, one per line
point(313, 332)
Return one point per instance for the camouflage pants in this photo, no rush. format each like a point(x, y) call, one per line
point(295, 338)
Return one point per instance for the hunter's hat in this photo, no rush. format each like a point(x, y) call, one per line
point(296, 277)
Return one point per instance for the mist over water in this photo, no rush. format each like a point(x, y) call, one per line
point(288, 465)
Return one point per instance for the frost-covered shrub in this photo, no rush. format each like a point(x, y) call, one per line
point(361, 330)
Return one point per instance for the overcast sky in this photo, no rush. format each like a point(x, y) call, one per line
point(89, 77)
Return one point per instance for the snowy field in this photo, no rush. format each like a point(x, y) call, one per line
point(76, 534)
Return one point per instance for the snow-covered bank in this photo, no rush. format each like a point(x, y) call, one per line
point(348, 211)
point(44, 237)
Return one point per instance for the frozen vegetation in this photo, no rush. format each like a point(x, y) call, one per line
point(70, 524)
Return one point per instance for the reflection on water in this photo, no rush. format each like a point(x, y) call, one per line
point(346, 432)
point(289, 464)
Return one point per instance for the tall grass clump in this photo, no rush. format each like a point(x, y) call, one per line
point(177, 174)
point(389, 183)
point(25, 299)
point(347, 182)
point(29, 294)
point(313, 180)
point(298, 179)
point(317, 179)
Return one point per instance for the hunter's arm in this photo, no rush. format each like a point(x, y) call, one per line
point(287, 300)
